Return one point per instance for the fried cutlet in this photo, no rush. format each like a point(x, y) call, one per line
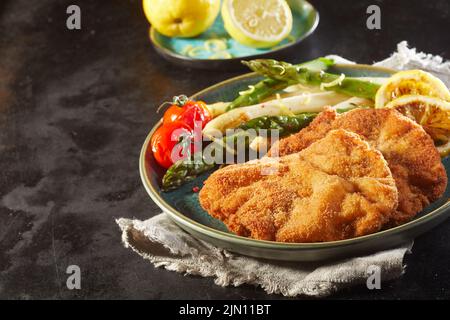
point(410, 152)
point(339, 187)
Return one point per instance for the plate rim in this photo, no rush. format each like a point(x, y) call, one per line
point(239, 240)
point(168, 53)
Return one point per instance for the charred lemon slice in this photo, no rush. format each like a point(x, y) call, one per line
point(430, 112)
point(411, 82)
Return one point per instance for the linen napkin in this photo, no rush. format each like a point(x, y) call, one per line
point(164, 244)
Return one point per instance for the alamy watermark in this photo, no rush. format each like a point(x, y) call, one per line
point(74, 279)
point(374, 277)
point(73, 21)
point(374, 20)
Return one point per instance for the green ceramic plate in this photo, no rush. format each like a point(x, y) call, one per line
point(305, 21)
point(183, 207)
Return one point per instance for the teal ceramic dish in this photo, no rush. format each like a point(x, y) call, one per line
point(183, 207)
point(305, 21)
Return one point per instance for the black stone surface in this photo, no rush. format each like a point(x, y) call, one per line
point(75, 107)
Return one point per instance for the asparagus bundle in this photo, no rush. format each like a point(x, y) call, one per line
point(292, 74)
point(268, 87)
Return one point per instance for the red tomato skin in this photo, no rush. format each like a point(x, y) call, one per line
point(157, 144)
point(165, 139)
point(190, 118)
point(190, 112)
point(195, 111)
point(172, 114)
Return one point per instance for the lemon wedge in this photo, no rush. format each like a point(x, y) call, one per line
point(433, 114)
point(258, 24)
point(411, 82)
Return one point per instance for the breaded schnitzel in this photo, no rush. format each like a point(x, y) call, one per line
point(337, 188)
point(410, 152)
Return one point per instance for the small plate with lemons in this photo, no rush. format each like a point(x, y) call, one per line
point(218, 34)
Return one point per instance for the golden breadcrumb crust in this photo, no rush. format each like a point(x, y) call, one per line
point(410, 152)
point(337, 188)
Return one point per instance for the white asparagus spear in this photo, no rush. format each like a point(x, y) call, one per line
point(314, 102)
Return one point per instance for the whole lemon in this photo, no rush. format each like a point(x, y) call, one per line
point(181, 18)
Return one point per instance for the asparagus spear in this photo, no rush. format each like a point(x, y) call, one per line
point(285, 124)
point(313, 102)
point(260, 91)
point(184, 171)
point(291, 74)
point(267, 87)
point(188, 169)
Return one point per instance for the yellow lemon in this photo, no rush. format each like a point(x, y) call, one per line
point(258, 24)
point(181, 18)
point(411, 82)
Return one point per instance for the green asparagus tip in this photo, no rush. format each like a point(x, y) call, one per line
point(326, 61)
point(253, 65)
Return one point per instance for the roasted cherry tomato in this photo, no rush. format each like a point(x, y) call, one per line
point(195, 111)
point(174, 140)
point(171, 142)
point(172, 114)
point(187, 111)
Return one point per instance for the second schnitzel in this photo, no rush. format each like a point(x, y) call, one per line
point(413, 159)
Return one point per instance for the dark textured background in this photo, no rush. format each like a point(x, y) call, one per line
point(75, 107)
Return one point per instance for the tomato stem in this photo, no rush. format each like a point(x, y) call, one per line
point(176, 100)
point(180, 100)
